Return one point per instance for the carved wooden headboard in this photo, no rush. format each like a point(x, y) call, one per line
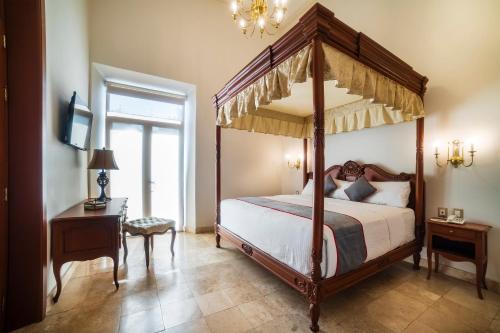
point(351, 171)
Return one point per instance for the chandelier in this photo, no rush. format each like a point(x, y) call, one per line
point(256, 15)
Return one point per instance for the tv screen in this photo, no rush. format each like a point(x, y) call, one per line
point(78, 124)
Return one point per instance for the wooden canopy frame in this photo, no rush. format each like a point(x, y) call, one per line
point(319, 25)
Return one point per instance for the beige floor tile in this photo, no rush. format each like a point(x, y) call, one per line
point(197, 326)
point(205, 286)
point(284, 324)
point(361, 322)
point(96, 320)
point(228, 321)
point(148, 321)
point(176, 313)
point(258, 312)
point(466, 295)
point(341, 306)
point(395, 311)
point(416, 292)
point(213, 302)
point(67, 301)
point(165, 280)
point(57, 323)
point(448, 316)
point(244, 293)
point(287, 303)
point(438, 284)
point(418, 327)
point(268, 285)
point(133, 286)
point(495, 325)
point(174, 293)
point(140, 302)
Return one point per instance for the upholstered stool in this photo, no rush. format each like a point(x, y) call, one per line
point(147, 227)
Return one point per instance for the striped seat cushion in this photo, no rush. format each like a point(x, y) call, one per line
point(148, 225)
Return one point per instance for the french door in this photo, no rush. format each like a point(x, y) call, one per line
point(149, 158)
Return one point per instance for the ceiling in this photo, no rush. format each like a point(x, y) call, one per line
point(300, 103)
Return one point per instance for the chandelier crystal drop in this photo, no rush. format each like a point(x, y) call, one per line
point(256, 15)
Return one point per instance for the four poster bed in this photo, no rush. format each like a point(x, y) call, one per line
point(347, 241)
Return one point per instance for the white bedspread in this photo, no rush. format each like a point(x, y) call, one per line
point(288, 237)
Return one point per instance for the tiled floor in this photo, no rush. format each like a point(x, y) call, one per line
point(205, 289)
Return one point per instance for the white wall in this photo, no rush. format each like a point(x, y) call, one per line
point(251, 164)
point(98, 134)
point(67, 69)
point(456, 44)
point(196, 42)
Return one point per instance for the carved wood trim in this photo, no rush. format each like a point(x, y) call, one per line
point(351, 171)
point(293, 278)
point(319, 159)
point(247, 249)
point(320, 22)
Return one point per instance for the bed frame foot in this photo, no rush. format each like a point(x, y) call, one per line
point(416, 261)
point(314, 313)
point(217, 241)
point(313, 296)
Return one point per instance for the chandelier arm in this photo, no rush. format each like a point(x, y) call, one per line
point(253, 30)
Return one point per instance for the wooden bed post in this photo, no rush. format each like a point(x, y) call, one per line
point(305, 176)
point(419, 193)
point(313, 290)
point(217, 184)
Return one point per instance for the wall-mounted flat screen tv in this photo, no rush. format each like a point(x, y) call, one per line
point(78, 124)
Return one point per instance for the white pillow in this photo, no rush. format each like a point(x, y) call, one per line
point(339, 192)
point(394, 194)
point(309, 188)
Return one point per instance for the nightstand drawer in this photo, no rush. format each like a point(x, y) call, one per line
point(447, 231)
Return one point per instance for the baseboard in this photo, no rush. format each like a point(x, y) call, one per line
point(200, 230)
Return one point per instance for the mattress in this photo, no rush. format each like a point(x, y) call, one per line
point(288, 237)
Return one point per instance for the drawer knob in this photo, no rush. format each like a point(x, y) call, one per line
point(451, 231)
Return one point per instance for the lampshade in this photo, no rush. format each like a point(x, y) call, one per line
point(103, 159)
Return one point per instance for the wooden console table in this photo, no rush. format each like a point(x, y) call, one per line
point(79, 235)
point(466, 242)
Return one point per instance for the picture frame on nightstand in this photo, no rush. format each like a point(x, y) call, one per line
point(458, 212)
point(442, 212)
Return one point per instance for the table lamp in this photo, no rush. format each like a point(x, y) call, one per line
point(103, 160)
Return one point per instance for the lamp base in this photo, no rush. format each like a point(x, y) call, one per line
point(103, 181)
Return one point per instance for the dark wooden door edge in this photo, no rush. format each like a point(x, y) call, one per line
point(27, 246)
point(3, 174)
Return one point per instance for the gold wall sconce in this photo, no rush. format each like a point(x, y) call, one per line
point(293, 164)
point(456, 156)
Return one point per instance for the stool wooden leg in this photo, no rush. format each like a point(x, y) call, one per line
point(172, 241)
point(125, 248)
point(146, 250)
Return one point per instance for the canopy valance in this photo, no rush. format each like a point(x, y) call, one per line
point(383, 101)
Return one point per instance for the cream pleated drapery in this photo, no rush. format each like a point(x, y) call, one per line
point(383, 101)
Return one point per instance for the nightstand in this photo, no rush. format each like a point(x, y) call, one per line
point(459, 242)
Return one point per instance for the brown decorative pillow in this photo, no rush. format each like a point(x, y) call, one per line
point(359, 190)
point(330, 185)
